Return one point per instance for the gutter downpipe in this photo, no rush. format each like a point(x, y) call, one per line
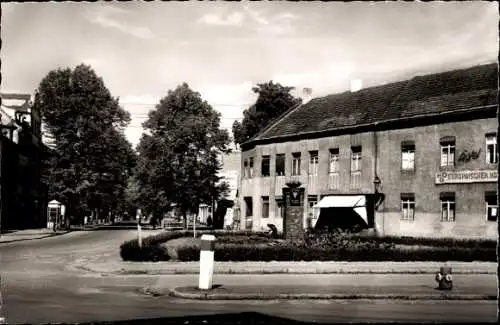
point(375, 175)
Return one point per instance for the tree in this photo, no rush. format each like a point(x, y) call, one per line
point(272, 101)
point(178, 156)
point(93, 159)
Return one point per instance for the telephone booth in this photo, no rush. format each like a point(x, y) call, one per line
point(55, 213)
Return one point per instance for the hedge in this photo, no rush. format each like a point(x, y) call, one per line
point(231, 252)
point(153, 251)
point(421, 241)
point(318, 247)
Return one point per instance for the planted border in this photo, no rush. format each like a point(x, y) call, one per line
point(236, 253)
point(354, 248)
point(421, 241)
point(153, 251)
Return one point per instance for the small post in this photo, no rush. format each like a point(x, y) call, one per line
point(194, 227)
point(139, 234)
point(206, 262)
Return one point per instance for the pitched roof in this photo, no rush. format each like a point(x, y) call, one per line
point(439, 93)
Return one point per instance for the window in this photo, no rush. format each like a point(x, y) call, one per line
point(491, 149)
point(245, 168)
point(266, 166)
point(447, 152)
point(265, 207)
point(447, 207)
point(248, 212)
point(334, 161)
point(408, 156)
point(313, 163)
point(408, 206)
point(279, 208)
point(312, 211)
point(250, 168)
point(296, 163)
point(280, 165)
point(356, 159)
point(355, 167)
point(249, 206)
point(491, 206)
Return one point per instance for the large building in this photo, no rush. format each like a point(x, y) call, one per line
point(411, 158)
point(23, 196)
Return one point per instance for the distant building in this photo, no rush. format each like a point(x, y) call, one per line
point(230, 173)
point(416, 158)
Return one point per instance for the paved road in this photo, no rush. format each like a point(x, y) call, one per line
point(38, 287)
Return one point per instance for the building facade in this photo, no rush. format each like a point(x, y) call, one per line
point(24, 198)
point(230, 173)
point(419, 155)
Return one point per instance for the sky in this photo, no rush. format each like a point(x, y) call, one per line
point(222, 49)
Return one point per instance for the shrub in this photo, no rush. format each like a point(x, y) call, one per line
point(314, 246)
point(152, 250)
point(231, 252)
point(243, 239)
point(336, 240)
point(421, 241)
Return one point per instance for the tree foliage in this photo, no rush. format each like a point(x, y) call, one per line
point(93, 158)
point(179, 153)
point(272, 101)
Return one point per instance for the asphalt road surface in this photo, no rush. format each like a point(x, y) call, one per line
point(39, 287)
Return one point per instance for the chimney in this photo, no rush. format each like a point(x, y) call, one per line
point(306, 95)
point(356, 84)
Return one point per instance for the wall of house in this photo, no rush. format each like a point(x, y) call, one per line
point(470, 219)
point(23, 197)
point(230, 171)
point(258, 186)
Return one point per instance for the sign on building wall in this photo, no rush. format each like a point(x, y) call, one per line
point(466, 176)
point(294, 197)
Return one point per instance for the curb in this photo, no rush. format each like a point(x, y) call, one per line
point(311, 296)
point(42, 237)
point(180, 271)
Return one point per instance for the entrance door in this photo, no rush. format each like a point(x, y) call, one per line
point(343, 218)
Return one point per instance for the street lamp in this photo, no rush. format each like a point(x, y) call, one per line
point(376, 182)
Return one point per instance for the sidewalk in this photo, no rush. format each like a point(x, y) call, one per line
point(29, 234)
point(345, 286)
point(159, 268)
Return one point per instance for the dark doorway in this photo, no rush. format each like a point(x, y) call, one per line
point(345, 219)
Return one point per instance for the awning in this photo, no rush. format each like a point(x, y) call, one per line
point(357, 202)
point(342, 201)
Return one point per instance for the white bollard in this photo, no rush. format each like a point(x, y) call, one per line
point(139, 236)
point(206, 262)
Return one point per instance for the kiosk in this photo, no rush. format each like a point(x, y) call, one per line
point(55, 213)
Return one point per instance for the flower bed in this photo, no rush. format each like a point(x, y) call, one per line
point(152, 249)
point(250, 246)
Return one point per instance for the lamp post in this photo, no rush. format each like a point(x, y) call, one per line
point(376, 182)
